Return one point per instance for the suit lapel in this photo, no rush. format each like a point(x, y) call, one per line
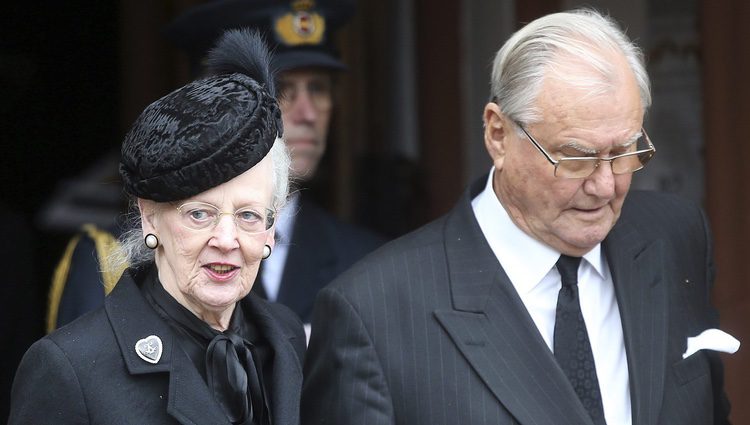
point(132, 319)
point(637, 272)
point(286, 382)
point(493, 330)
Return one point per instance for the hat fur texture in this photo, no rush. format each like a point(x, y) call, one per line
point(208, 131)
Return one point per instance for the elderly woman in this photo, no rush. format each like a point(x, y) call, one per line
point(179, 340)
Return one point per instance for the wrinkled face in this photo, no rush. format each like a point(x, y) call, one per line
point(570, 215)
point(305, 99)
point(209, 270)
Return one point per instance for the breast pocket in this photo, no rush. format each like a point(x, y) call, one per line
point(691, 368)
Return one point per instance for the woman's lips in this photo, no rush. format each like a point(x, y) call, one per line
point(221, 272)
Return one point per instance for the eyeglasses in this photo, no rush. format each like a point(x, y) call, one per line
point(202, 216)
point(318, 91)
point(582, 167)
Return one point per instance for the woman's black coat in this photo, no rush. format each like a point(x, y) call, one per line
point(89, 372)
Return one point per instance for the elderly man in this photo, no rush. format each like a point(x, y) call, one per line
point(313, 246)
point(549, 295)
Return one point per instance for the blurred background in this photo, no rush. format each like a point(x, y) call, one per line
point(75, 75)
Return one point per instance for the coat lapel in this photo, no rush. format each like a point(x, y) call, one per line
point(637, 272)
point(286, 380)
point(493, 330)
point(190, 402)
point(133, 319)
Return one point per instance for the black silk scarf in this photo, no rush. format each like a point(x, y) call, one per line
point(228, 361)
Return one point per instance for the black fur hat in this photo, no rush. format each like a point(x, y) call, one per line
point(208, 131)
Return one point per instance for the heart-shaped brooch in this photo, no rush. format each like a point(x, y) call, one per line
point(149, 349)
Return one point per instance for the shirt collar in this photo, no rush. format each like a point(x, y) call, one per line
point(285, 220)
point(525, 260)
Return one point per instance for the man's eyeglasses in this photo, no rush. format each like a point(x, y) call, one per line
point(202, 216)
point(318, 91)
point(581, 167)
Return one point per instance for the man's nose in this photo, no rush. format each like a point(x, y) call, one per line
point(302, 106)
point(601, 182)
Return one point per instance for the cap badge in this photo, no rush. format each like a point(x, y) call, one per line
point(303, 4)
point(300, 27)
point(149, 349)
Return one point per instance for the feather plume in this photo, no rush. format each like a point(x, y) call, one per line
point(243, 51)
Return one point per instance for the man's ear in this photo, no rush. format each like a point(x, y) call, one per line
point(496, 133)
point(148, 216)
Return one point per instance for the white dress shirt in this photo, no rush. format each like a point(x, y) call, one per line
point(273, 266)
point(530, 265)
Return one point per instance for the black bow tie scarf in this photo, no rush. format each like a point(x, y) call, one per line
point(230, 372)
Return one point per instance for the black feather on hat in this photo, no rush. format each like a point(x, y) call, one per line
point(208, 131)
point(240, 51)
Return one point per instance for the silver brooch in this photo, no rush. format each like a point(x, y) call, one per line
point(149, 349)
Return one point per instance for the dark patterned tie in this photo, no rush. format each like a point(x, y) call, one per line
point(572, 347)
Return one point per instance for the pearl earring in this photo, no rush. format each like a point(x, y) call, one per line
point(266, 251)
point(151, 241)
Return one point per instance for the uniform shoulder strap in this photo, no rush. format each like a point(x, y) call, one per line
point(104, 243)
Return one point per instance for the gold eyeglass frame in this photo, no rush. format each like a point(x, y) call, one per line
point(556, 162)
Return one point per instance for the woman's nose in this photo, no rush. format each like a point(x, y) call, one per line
point(225, 233)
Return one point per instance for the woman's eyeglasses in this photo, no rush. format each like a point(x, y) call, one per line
point(202, 216)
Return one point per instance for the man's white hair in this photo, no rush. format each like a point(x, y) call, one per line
point(548, 47)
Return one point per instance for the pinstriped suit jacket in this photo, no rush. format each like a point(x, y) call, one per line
point(429, 330)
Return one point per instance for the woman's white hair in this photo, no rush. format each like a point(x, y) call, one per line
point(548, 46)
point(133, 252)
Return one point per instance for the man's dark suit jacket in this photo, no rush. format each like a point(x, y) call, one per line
point(88, 372)
point(321, 248)
point(429, 329)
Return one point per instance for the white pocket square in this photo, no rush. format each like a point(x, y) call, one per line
point(712, 339)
